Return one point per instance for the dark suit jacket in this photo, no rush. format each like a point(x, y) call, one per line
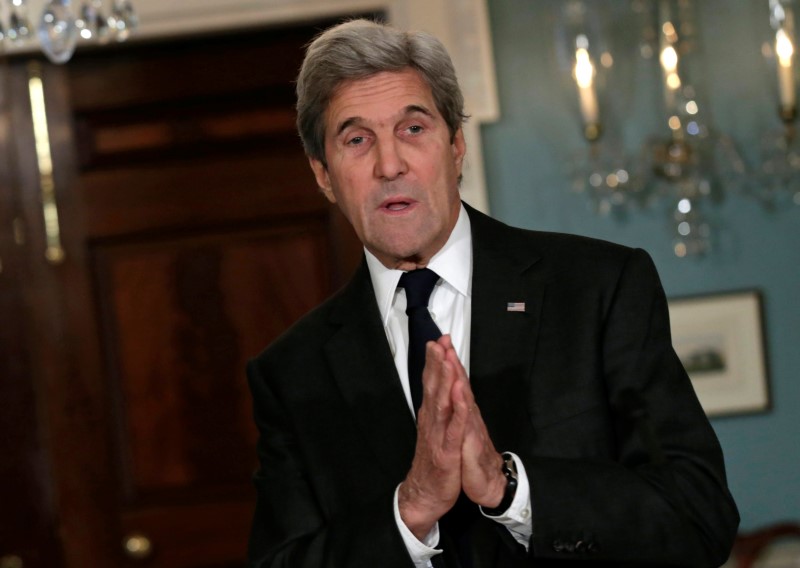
point(584, 386)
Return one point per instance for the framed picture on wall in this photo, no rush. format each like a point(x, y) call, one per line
point(719, 339)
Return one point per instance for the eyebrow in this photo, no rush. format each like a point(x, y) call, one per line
point(356, 120)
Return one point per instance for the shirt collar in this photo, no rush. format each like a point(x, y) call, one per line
point(453, 263)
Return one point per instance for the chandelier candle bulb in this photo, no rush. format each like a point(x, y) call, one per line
point(672, 81)
point(584, 77)
point(786, 84)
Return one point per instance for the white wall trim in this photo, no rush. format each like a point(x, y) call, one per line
point(462, 25)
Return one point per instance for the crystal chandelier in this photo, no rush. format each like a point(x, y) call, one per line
point(684, 166)
point(593, 67)
point(58, 26)
point(693, 164)
point(777, 182)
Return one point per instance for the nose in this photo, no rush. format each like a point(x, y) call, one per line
point(389, 163)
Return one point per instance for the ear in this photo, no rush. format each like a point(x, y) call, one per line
point(459, 149)
point(323, 179)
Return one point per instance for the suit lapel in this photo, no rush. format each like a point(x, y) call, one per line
point(364, 370)
point(503, 342)
point(502, 347)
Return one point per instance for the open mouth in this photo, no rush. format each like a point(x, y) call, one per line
point(397, 205)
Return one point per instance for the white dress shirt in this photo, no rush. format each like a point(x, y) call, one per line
point(450, 305)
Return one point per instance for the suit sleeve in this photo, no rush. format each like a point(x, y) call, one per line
point(663, 499)
point(292, 527)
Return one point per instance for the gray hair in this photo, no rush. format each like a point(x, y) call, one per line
point(358, 49)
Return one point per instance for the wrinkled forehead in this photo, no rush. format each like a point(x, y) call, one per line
point(403, 89)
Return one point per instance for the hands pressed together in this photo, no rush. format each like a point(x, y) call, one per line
point(454, 451)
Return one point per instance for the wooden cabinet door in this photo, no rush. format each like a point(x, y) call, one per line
point(194, 234)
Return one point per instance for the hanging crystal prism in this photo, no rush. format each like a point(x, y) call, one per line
point(91, 22)
point(123, 19)
point(19, 28)
point(58, 33)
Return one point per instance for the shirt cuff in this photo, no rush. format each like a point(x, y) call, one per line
point(421, 552)
point(517, 519)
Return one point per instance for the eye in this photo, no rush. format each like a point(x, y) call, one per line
point(415, 129)
point(355, 141)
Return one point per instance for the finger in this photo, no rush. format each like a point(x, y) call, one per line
point(475, 429)
point(461, 376)
point(433, 372)
point(445, 341)
point(477, 442)
point(452, 356)
point(438, 377)
point(460, 397)
point(457, 425)
point(442, 399)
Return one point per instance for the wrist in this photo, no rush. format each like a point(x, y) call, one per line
point(508, 471)
point(415, 516)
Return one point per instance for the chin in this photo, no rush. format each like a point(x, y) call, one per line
point(401, 255)
point(410, 252)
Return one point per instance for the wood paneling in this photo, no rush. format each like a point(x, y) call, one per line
point(181, 318)
point(212, 191)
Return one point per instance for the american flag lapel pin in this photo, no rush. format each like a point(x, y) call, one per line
point(515, 307)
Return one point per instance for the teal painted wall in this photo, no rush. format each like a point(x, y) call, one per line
point(527, 153)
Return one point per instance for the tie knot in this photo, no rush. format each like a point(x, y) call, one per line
point(418, 285)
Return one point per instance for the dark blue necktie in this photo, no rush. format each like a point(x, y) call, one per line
point(418, 285)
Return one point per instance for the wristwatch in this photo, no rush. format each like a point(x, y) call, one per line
point(509, 470)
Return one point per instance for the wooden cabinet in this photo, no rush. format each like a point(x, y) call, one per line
point(193, 235)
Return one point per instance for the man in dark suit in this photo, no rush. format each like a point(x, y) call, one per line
point(556, 352)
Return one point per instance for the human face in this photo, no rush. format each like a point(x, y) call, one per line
point(392, 166)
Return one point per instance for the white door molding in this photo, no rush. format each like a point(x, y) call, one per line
point(462, 25)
